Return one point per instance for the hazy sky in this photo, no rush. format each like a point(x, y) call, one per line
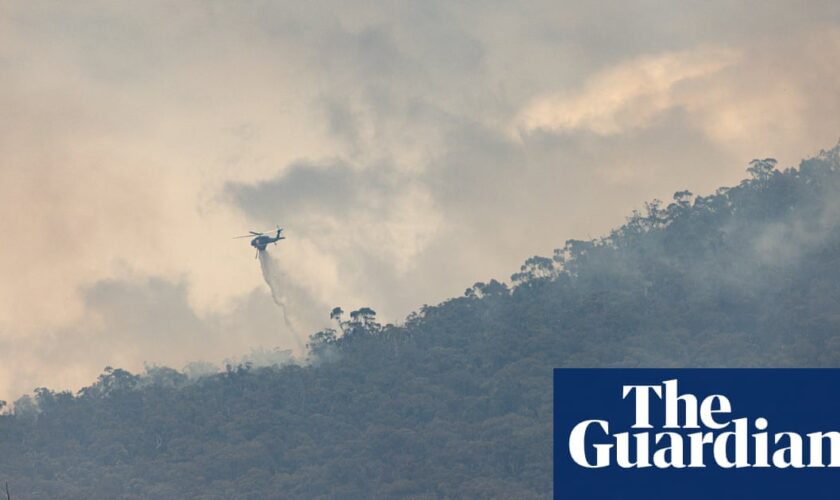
point(409, 148)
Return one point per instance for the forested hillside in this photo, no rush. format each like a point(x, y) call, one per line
point(456, 401)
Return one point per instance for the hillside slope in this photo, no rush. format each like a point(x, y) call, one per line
point(456, 402)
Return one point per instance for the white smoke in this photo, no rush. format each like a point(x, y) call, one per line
point(275, 278)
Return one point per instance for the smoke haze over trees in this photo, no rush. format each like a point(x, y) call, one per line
point(456, 401)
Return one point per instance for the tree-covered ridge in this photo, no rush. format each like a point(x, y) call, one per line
point(456, 401)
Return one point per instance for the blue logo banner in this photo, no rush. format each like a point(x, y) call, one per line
point(696, 434)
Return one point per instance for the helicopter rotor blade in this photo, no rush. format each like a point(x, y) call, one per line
point(255, 233)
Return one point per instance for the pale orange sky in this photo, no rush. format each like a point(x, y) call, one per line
point(409, 148)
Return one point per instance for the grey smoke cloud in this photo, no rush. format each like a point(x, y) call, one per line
point(145, 321)
point(410, 149)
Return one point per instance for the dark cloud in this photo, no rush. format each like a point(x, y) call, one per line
point(154, 320)
point(331, 187)
point(133, 323)
point(154, 311)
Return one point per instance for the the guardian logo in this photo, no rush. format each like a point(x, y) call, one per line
point(731, 442)
point(692, 434)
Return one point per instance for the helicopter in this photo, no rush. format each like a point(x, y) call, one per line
point(261, 240)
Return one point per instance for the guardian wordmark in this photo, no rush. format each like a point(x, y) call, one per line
point(730, 442)
point(696, 433)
